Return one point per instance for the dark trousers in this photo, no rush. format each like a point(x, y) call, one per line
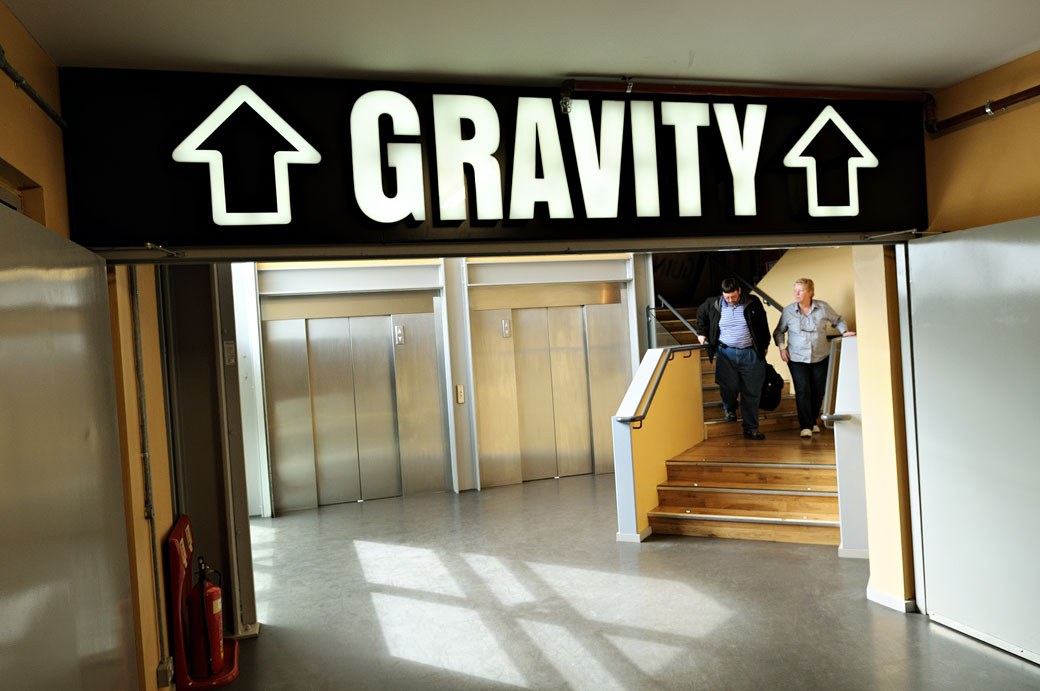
point(810, 380)
point(740, 371)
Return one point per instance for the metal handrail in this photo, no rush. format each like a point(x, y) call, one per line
point(657, 381)
point(678, 316)
point(651, 337)
point(833, 358)
point(765, 297)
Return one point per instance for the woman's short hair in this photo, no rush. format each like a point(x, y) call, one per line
point(806, 282)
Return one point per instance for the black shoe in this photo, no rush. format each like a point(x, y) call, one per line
point(730, 416)
point(754, 434)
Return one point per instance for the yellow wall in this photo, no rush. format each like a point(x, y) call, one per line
point(988, 171)
point(674, 423)
point(884, 430)
point(830, 268)
point(142, 583)
point(31, 156)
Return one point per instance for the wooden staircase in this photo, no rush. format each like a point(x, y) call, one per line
point(784, 417)
point(783, 488)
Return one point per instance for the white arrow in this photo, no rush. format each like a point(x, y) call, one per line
point(188, 151)
point(795, 159)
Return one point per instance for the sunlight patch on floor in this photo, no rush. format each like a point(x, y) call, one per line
point(400, 566)
point(444, 636)
point(634, 601)
point(575, 663)
point(499, 579)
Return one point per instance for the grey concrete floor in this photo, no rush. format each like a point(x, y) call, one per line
point(526, 587)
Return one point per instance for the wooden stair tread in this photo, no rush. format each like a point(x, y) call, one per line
point(750, 515)
point(770, 484)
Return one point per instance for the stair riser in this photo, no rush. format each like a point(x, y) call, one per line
point(712, 394)
point(785, 505)
point(729, 429)
point(812, 535)
point(822, 480)
point(787, 405)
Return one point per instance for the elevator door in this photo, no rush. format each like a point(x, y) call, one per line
point(546, 381)
point(352, 403)
point(351, 415)
point(552, 392)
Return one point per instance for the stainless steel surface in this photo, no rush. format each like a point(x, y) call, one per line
point(289, 422)
point(976, 416)
point(531, 270)
point(609, 375)
point(543, 295)
point(345, 305)
point(372, 351)
point(494, 399)
point(65, 607)
point(347, 277)
point(834, 418)
point(422, 422)
point(534, 397)
point(332, 405)
point(570, 384)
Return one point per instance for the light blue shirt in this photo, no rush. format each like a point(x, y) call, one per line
point(807, 333)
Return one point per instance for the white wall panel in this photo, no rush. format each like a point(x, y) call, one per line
point(975, 315)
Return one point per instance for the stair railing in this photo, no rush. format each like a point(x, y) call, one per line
point(755, 289)
point(828, 417)
point(687, 351)
point(678, 316)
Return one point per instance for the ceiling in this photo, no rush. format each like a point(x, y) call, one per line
point(882, 43)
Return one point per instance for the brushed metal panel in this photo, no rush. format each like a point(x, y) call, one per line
point(542, 269)
point(976, 420)
point(422, 422)
point(494, 395)
point(324, 306)
point(570, 384)
point(332, 406)
point(65, 603)
point(289, 425)
point(609, 375)
point(370, 341)
point(543, 295)
point(534, 394)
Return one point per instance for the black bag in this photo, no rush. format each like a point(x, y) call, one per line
point(772, 389)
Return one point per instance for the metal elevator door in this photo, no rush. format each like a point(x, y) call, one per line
point(551, 368)
point(351, 415)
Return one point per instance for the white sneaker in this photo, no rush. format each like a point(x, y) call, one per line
point(805, 432)
point(816, 429)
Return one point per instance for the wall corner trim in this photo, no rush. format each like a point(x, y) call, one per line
point(635, 537)
point(890, 601)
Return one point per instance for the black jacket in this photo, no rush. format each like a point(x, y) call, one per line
point(710, 312)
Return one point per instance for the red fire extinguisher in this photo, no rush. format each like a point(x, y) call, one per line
point(206, 625)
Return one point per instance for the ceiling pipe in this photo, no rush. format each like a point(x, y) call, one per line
point(628, 86)
point(20, 83)
point(940, 127)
